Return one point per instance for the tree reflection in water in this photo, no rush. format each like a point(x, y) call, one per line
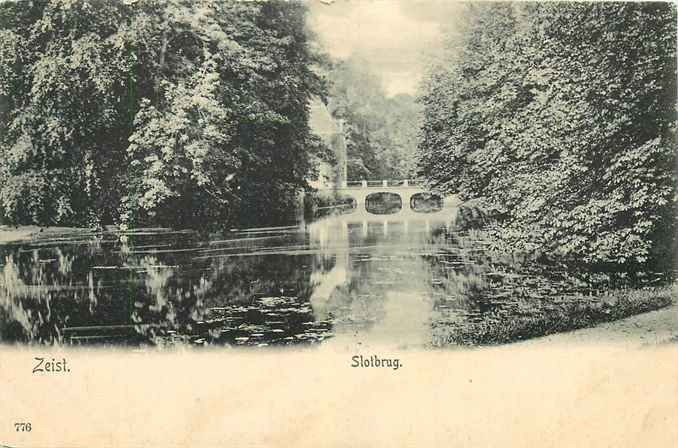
point(353, 278)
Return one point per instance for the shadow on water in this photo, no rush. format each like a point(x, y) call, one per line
point(352, 279)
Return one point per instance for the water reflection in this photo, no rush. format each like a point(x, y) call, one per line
point(383, 203)
point(379, 289)
point(426, 202)
point(350, 279)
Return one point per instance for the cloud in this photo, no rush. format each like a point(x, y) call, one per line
point(397, 37)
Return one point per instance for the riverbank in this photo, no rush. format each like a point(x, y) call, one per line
point(654, 328)
point(601, 313)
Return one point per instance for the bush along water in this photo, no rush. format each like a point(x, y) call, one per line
point(566, 132)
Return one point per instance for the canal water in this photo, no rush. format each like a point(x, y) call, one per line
point(352, 279)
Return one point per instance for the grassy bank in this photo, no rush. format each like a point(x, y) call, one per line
point(567, 316)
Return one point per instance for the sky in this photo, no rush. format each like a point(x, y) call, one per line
point(398, 38)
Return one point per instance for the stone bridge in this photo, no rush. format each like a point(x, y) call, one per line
point(405, 189)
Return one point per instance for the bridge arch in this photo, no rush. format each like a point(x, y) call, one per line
point(426, 202)
point(384, 203)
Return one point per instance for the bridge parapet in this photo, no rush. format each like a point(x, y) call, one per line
point(385, 183)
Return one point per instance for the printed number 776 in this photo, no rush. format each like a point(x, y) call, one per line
point(22, 427)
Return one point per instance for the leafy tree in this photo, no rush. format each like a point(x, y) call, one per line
point(62, 77)
point(172, 112)
point(560, 118)
point(380, 130)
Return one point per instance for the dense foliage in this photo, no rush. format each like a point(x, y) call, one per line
point(560, 119)
point(172, 112)
point(381, 131)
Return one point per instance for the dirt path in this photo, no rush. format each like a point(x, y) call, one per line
point(648, 329)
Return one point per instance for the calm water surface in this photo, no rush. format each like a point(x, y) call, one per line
point(345, 279)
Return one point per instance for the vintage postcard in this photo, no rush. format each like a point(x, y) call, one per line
point(338, 223)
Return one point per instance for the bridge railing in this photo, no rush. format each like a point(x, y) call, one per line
point(417, 182)
point(405, 182)
point(393, 183)
point(382, 183)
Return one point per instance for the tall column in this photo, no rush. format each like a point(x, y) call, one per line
point(342, 156)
